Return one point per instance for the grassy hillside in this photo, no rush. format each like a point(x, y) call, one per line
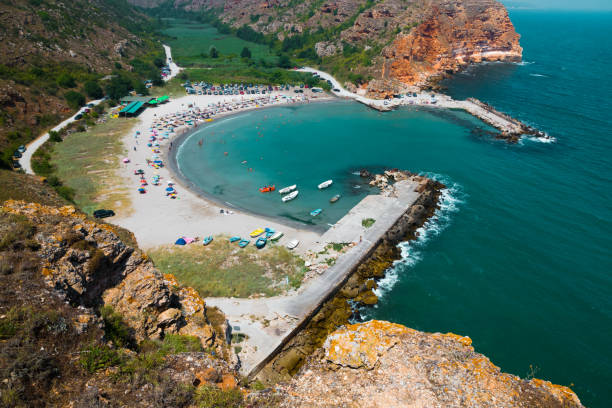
point(56, 55)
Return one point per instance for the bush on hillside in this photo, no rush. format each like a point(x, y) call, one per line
point(93, 90)
point(75, 99)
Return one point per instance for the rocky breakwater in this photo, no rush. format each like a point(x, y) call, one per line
point(452, 35)
point(91, 266)
point(382, 364)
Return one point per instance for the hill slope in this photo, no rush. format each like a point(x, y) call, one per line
point(49, 48)
point(386, 44)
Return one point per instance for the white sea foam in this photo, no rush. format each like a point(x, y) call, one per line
point(524, 63)
point(412, 251)
point(538, 75)
point(534, 139)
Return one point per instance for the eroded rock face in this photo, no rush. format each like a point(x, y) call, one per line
point(382, 364)
point(453, 34)
point(92, 266)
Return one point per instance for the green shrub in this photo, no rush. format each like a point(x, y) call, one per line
point(95, 358)
point(66, 81)
point(93, 90)
point(175, 343)
point(115, 329)
point(211, 396)
point(368, 222)
point(75, 99)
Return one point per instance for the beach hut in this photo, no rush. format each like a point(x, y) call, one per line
point(180, 241)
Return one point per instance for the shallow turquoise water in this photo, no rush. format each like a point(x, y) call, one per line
point(519, 256)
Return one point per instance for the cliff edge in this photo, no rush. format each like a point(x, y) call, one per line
point(382, 364)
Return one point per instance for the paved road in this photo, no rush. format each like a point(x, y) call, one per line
point(26, 159)
point(174, 69)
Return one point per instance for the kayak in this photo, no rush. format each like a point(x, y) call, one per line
point(316, 212)
point(325, 184)
point(269, 232)
point(257, 232)
point(267, 189)
point(207, 240)
point(293, 243)
point(276, 236)
point(244, 242)
point(290, 196)
point(335, 198)
point(261, 242)
point(287, 190)
point(234, 239)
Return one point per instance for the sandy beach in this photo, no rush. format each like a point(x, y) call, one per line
point(156, 219)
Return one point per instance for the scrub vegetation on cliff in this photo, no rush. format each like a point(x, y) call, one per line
point(55, 55)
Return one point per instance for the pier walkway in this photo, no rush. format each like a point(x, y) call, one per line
point(270, 323)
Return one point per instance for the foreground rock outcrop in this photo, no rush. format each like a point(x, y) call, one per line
point(92, 266)
point(382, 364)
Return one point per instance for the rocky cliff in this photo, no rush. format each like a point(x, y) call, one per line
point(386, 44)
point(91, 266)
point(452, 35)
point(381, 364)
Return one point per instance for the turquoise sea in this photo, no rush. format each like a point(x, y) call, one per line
point(519, 256)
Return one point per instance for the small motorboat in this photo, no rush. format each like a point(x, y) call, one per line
point(261, 242)
point(142, 190)
point(207, 240)
point(290, 196)
point(234, 239)
point(244, 242)
point(316, 212)
point(257, 232)
point(293, 243)
point(269, 232)
point(287, 190)
point(267, 189)
point(276, 236)
point(335, 198)
point(325, 184)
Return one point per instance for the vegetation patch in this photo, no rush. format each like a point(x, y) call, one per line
point(368, 222)
point(86, 164)
point(224, 269)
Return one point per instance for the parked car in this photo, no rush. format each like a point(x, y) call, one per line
point(21, 148)
point(79, 116)
point(103, 213)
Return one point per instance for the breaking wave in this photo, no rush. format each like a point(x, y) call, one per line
point(451, 199)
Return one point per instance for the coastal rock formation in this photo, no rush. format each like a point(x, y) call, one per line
point(453, 34)
point(382, 364)
point(403, 43)
point(92, 266)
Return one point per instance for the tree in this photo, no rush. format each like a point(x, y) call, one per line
point(75, 100)
point(284, 61)
point(93, 90)
point(118, 86)
point(213, 52)
point(246, 53)
point(66, 81)
point(159, 62)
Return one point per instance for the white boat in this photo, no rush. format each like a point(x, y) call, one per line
point(277, 235)
point(293, 243)
point(325, 184)
point(287, 190)
point(290, 196)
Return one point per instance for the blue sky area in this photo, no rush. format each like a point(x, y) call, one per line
point(560, 4)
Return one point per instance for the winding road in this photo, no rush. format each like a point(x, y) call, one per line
point(26, 159)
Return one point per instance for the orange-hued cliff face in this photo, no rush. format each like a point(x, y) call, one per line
point(454, 34)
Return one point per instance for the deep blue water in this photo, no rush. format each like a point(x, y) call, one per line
point(524, 264)
point(518, 258)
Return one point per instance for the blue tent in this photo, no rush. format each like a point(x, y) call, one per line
point(180, 241)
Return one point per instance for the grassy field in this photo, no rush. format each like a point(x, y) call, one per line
point(193, 39)
point(88, 161)
point(223, 269)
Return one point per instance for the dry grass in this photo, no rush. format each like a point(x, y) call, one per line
point(88, 162)
point(223, 269)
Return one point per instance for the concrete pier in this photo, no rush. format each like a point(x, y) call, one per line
point(270, 323)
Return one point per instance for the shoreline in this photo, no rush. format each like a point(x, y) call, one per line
point(158, 220)
point(170, 158)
